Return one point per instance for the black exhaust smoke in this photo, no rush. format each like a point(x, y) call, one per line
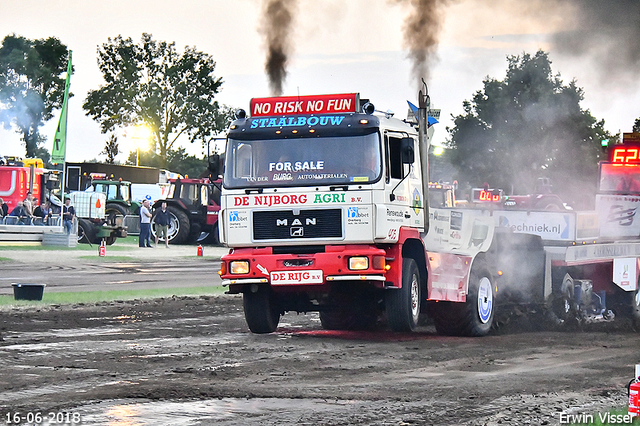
point(421, 35)
point(277, 19)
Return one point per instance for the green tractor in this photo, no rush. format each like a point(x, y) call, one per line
point(119, 201)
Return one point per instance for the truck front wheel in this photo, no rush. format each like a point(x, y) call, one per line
point(403, 304)
point(261, 309)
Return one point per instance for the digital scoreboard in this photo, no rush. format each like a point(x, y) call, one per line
point(628, 152)
point(481, 195)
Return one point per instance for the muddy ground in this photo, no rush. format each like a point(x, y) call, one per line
point(192, 361)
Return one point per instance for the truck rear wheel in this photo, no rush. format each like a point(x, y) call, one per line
point(261, 309)
point(403, 304)
point(627, 303)
point(179, 226)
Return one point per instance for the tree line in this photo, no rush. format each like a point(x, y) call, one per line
point(148, 83)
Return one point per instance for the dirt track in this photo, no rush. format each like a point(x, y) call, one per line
point(192, 361)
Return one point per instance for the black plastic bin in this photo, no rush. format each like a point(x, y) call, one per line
point(28, 291)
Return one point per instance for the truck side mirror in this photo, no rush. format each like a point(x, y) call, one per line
point(214, 166)
point(408, 154)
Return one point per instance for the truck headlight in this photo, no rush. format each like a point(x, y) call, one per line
point(358, 263)
point(239, 267)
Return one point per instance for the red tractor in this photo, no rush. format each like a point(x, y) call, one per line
point(193, 206)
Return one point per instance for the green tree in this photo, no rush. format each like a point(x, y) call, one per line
point(178, 161)
point(31, 85)
point(151, 83)
point(111, 149)
point(530, 125)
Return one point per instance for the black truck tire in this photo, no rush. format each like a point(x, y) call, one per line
point(113, 211)
point(475, 316)
point(179, 226)
point(626, 303)
point(86, 231)
point(261, 309)
point(403, 304)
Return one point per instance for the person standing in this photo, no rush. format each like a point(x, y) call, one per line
point(145, 225)
point(28, 204)
point(4, 209)
point(68, 213)
point(162, 224)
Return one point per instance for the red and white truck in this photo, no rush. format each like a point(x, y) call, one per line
point(324, 208)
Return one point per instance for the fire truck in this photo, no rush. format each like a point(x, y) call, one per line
point(325, 208)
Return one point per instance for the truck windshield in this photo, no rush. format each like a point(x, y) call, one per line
point(303, 161)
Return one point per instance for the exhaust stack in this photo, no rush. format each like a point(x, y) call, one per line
point(424, 104)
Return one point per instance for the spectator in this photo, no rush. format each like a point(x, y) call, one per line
point(145, 225)
point(4, 209)
point(44, 211)
point(29, 204)
point(162, 221)
point(68, 214)
point(20, 212)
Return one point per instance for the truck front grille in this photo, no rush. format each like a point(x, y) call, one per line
point(284, 225)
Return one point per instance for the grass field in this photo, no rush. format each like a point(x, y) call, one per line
point(65, 298)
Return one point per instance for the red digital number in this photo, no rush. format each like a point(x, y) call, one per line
point(488, 196)
point(625, 155)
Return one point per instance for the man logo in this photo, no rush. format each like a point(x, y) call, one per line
point(296, 231)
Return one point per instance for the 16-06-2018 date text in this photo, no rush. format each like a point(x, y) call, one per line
point(39, 418)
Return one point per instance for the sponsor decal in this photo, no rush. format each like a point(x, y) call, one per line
point(553, 229)
point(357, 216)
point(437, 216)
point(255, 179)
point(455, 222)
point(321, 120)
point(269, 200)
point(282, 176)
point(313, 104)
point(618, 213)
point(238, 219)
point(395, 216)
point(297, 166)
point(321, 176)
point(296, 277)
point(329, 198)
point(417, 201)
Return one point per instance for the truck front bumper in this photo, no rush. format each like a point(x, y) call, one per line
point(289, 270)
